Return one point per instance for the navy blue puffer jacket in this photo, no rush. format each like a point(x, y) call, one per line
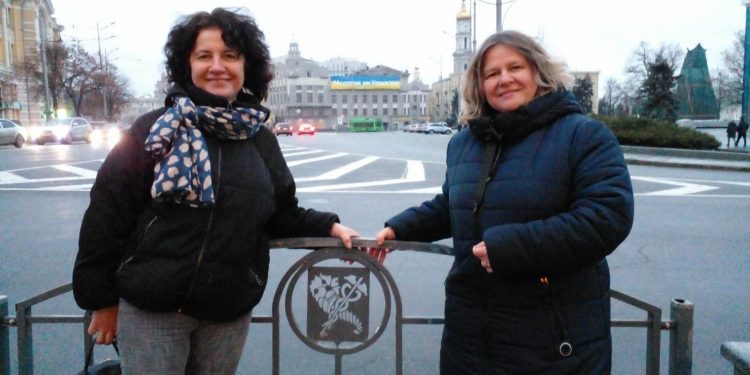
point(560, 201)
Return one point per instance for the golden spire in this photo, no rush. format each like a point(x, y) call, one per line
point(463, 13)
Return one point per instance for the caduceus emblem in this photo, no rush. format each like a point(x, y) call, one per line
point(334, 299)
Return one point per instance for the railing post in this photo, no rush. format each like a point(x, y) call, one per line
point(4, 337)
point(25, 341)
point(681, 339)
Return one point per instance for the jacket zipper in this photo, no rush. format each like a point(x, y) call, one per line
point(140, 239)
point(565, 348)
point(255, 275)
point(202, 251)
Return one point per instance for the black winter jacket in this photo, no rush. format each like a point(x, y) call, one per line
point(210, 263)
point(560, 201)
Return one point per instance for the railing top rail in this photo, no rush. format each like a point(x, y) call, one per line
point(39, 298)
point(327, 242)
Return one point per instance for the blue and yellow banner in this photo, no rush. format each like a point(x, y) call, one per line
point(365, 83)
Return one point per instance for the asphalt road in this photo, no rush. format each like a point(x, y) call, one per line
point(689, 241)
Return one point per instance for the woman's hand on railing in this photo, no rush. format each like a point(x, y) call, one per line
point(104, 325)
point(344, 233)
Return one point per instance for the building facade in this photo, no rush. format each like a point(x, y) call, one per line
point(329, 95)
point(27, 29)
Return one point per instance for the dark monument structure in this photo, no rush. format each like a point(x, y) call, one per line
point(694, 90)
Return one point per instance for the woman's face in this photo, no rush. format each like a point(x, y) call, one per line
point(214, 67)
point(507, 79)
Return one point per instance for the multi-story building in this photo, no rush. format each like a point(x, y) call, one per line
point(329, 95)
point(27, 29)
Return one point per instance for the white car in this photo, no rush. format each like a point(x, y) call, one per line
point(63, 130)
point(12, 133)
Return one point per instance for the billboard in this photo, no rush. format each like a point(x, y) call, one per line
point(365, 83)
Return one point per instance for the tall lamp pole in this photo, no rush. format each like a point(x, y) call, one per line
point(746, 66)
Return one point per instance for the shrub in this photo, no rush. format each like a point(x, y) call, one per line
point(633, 131)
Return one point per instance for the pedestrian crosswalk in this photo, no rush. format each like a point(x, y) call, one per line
point(323, 171)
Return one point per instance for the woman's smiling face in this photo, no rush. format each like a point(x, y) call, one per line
point(215, 67)
point(507, 79)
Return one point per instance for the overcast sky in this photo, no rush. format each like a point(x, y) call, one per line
point(597, 35)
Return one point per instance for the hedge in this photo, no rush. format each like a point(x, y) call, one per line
point(634, 131)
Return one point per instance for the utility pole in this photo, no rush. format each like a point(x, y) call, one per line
point(43, 51)
point(746, 65)
point(102, 88)
point(498, 15)
point(474, 27)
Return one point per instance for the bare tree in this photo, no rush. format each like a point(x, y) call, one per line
point(637, 70)
point(78, 75)
point(611, 98)
point(112, 89)
point(57, 53)
point(729, 79)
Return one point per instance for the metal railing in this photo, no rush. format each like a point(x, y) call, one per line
point(680, 325)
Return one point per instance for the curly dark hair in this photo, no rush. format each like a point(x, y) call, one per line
point(238, 31)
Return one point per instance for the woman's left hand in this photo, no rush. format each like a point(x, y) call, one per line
point(480, 251)
point(344, 233)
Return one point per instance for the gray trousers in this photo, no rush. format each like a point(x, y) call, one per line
point(174, 343)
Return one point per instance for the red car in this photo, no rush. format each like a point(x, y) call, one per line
point(306, 129)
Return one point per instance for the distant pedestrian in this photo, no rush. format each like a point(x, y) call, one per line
point(731, 132)
point(741, 133)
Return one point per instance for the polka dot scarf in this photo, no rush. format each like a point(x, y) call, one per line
point(176, 141)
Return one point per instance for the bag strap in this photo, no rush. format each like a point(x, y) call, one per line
point(90, 355)
point(491, 158)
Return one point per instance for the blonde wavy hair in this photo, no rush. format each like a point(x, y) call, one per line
point(550, 74)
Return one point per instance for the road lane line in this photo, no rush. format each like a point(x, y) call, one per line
point(304, 153)
point(306, 161)
point(81, 172)
point(685, 188)
point(339, 172)
point(10, 178)
point(414, 173)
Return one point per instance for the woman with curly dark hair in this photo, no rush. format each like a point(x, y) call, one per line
point(173, 251)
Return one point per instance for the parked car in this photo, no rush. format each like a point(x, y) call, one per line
point(63, 130)
point(438, 127)
point(283, 128)
point(422, 128)
point(410, 128)
point(12, 133)
point(305, 128)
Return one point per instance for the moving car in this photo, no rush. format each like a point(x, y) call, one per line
point(63, 130)
point(12, 133)
point(305, 128)
point(106, 132)
point(438, 127)
point(283, 128)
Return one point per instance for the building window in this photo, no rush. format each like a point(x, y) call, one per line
point(355, 99)
point(309, 97)
point(333, 98)
point(345, 112)
point(364, 98)
point(299, 97)
point(374, 111)
point(385, 98)
point(385, 111)
point(298, 87)
point(374, 98)
point(335, 111)
point(320, 98)
point(344, 98)
point(395, 98)
point(364, 111)
point(354, 111)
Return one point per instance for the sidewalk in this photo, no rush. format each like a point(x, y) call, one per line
point(738, 159)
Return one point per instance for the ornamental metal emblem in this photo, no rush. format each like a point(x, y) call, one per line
point(338, 304)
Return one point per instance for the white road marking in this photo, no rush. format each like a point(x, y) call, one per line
point(414, 173)
point(81, 172)
point(685, 188)
point(339, 172)
point(304, 153)
point(312, 160)
point(10, 178)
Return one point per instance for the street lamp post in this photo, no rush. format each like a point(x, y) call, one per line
point(746, 64)
point(103, 88)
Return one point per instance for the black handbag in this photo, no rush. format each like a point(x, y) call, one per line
point(106, 367)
